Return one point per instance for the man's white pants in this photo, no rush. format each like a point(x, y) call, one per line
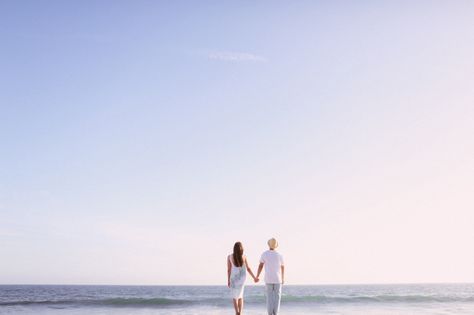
point(273, 292)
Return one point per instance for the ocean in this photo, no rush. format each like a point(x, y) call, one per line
point(413, 299)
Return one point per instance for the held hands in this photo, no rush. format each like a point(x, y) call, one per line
point(256, 279)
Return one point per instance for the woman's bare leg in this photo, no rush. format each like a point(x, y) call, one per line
point(236, 306)
point(241, 305)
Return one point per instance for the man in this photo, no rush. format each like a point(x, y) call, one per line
point(274, 276)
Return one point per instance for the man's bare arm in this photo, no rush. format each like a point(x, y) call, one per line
point(282, 274)
point(260, 267)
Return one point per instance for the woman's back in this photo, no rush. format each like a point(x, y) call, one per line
point(237, 274)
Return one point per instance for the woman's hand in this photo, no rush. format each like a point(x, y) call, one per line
point(255, 279)
point(228, 283)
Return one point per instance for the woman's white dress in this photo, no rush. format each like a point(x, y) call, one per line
point(237, 280)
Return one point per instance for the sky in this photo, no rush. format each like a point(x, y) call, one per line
point(140, 139)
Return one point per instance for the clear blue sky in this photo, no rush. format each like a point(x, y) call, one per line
point(140, 139)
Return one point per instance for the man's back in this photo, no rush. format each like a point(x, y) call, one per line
point(273, 262)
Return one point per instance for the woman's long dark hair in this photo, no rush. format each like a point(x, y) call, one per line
point(238, 254)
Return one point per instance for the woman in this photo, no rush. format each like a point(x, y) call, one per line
point(237, 267)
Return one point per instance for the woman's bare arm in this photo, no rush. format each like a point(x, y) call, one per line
point(229, 267)
point(250, 270)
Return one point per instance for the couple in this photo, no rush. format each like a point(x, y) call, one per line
point(237, 267)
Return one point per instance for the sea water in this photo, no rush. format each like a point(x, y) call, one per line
point(413, 299)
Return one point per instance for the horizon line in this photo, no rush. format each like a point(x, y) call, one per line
point(222, 285)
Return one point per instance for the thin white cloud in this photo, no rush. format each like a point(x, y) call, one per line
point(234, 56)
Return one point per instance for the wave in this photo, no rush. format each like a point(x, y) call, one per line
point(160, 302)
point(106, 302)
point(377, 299)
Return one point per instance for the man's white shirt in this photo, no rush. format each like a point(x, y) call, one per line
point(272, 261)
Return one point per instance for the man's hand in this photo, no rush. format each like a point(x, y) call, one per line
point(256, 279)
